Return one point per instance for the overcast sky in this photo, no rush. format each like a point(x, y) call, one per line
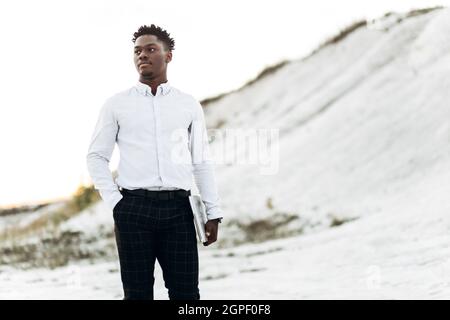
point(60, 60)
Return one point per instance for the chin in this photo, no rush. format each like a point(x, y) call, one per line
point(147, 74)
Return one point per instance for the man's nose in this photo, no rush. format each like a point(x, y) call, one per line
point(142, 56)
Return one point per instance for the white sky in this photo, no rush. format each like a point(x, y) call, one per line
point(60, 60)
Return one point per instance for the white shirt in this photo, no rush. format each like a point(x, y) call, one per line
point(162, 142)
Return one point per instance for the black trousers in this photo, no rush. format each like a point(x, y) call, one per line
point(148, 229)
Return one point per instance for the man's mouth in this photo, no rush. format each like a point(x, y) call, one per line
point(144, 64)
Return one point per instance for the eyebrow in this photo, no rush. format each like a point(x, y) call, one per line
point(147, 45)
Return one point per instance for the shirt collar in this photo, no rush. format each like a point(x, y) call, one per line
point(145, 89)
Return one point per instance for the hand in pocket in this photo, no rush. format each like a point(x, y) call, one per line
point(118, 204)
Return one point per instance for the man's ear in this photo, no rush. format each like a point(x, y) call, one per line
point(169, 57)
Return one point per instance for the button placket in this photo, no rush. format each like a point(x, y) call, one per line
point(158, 135)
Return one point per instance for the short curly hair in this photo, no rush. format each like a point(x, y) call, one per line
point(160, 33)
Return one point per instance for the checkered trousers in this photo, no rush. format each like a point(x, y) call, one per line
point(147, 229)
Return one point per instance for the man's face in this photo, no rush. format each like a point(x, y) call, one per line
point(150, 56)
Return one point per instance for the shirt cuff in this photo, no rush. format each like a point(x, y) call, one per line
point(111, 197)
point(214, 214)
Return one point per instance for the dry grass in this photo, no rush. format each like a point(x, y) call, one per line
point(21, 209)
point(207, 101)
point(41, 243)
point(260, 230)
point(266, 72)
point(83, 197)
point(340, 36)
point(262, 74)
point(418, 12)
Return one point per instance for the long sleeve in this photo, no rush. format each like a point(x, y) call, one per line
point(99, 154)
point(203, 166)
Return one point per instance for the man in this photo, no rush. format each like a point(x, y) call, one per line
point(163, 144)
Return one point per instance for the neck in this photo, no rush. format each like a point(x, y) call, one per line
point(153, 82)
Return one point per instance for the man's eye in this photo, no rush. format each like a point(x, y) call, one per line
point(138, 51)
